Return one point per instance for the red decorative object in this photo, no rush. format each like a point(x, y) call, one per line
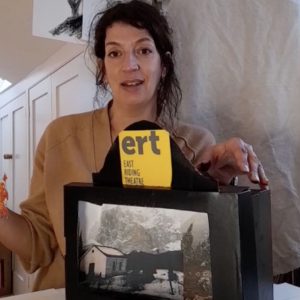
point(3, 197)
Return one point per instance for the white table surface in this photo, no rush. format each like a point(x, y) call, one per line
point(281, 292)
point(286, 291)
point(52, 294)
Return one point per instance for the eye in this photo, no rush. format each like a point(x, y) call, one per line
point(144, 51)
point(114, 53)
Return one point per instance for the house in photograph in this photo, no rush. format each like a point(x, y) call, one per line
point(103, 261)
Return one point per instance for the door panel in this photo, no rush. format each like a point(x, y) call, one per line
point(20, 154)
point(41, 112)
point(6, 149)
point(68, 90)
point(73, 88)
point(14, 142)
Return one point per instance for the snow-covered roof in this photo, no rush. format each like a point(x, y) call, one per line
point(110, 251)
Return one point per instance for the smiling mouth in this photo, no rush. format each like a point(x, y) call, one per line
point(132, 83)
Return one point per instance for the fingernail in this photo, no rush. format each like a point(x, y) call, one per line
point(254, 178)
point(264, 187)
point(246, 168)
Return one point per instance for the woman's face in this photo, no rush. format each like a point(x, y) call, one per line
point(132, 65)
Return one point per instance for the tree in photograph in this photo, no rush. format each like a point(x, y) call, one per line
point(197, 274)
point(186, 245)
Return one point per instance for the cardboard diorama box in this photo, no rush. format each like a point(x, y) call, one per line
point(188, 240)
point(167, 244)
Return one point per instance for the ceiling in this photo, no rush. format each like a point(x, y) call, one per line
point(20, 52)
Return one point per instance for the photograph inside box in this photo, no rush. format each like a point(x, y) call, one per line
point(146, 251)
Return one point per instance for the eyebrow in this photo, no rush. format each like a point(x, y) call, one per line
point(145, 39)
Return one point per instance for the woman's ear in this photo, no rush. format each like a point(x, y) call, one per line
point(166, 63)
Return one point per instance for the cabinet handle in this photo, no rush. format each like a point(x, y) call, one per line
point(7, 156)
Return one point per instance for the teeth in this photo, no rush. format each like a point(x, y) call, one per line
point(132, 83)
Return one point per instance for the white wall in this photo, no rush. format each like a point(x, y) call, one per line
point(239, 68)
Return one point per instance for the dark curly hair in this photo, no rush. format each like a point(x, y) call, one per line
point(143, 16)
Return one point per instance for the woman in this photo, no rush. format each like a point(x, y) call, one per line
point(135, 59)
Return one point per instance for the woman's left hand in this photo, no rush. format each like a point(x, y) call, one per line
point(231, 158)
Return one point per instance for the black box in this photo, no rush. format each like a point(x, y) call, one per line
point(240, 246)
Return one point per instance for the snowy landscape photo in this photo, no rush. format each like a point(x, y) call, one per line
point(163, 253)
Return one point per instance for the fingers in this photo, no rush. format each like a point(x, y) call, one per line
point(224, 161)
point(234, 155)
point(232, 158)
point(257, 173)
point(264, 181)
point(254, 164)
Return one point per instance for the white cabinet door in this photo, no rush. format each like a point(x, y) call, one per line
point(6, 150)
point(14, 149)
point(40, 113)
point(68, 90)
point(14, 162)
point(20, 151)
point(73, 88)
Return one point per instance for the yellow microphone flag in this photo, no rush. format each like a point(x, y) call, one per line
point(145, 158)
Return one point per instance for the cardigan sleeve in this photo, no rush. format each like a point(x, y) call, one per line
point(193, 141)
point(43, 243)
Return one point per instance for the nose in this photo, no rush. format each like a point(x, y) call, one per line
point(130, 62)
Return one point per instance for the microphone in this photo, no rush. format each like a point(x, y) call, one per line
point(180, 173)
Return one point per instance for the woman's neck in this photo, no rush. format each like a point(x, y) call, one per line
point(122, 116)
